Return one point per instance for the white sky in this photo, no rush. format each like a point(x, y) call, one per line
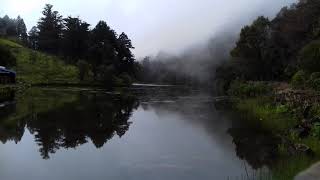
point(153, 25)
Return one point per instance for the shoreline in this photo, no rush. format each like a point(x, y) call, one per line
point(288, 114)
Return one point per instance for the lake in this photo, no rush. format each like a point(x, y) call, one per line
point(140, 133)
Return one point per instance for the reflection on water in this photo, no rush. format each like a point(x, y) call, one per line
point(257, 147)
point(64, 120)
point(144, 133)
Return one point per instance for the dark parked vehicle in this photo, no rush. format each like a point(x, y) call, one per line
point(7, 76)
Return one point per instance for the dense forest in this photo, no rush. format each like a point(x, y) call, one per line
point(99, 53)
point(278, 49)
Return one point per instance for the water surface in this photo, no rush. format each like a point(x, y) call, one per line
point(142, 133)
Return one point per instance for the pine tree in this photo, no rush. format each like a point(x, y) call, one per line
point(50, 30)
point(75, 38)
point(22, 30)
point(126, 58)
point(102, 50)
point(33, 37)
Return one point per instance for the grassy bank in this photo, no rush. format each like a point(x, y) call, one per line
point(282, 120)
point(275, 118)
point(38, 68)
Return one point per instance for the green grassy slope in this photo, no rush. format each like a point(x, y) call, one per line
point(38, 68)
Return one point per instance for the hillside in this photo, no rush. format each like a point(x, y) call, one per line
point(33, 67)
point(274, 76)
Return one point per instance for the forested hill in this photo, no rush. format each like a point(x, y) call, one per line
point(278, 49)
point(97, 55)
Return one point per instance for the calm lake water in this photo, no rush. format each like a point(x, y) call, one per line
point(141, 134)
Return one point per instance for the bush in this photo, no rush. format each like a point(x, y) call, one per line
point(310, 57)
point(6, 57)
point(316, 84)
point(116, 82)
point(315, 75)
point(315, 111)
point(126, 79)
point(84, 69)
point(249, 89)
point(314, 81)
point(299, 79)
point(315, 131)
point(106, 73)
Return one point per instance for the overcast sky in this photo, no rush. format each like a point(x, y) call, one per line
point(153, 25)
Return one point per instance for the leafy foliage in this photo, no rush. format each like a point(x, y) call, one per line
point(50, 29)
point(314, 81)
point(6, 57)
point(13, 28)
point(316, 130)
point(299, 79)
point(249, 89)
point(310, 57)
point(75, 39)
point(97, 52)
point(276, 49)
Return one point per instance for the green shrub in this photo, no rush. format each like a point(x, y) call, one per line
point(6, 57)
point(272, 117)
point(310, 57)
point(249, 89)
point(126, 79)
point(316, 130)
point(315, 111)
point(314, 81)
point(84, 69)
point(315, 75)
point(282, 109)
point(299, 79)
point(316, 84)
point(117, 82)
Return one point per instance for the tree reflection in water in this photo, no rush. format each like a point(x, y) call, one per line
point(67, 120)
point(259, 148)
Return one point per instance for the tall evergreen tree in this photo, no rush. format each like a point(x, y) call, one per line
point(102, 50)
point(75, 38)
point(10, 26)
point(22, 30)
point(125, 55)
point(50, 30)
point(33, 37)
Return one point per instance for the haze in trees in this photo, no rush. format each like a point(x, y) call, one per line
point(275, 49)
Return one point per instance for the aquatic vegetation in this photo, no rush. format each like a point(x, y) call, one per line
point(281, 120)
point(272, 117)
point(287, 169)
